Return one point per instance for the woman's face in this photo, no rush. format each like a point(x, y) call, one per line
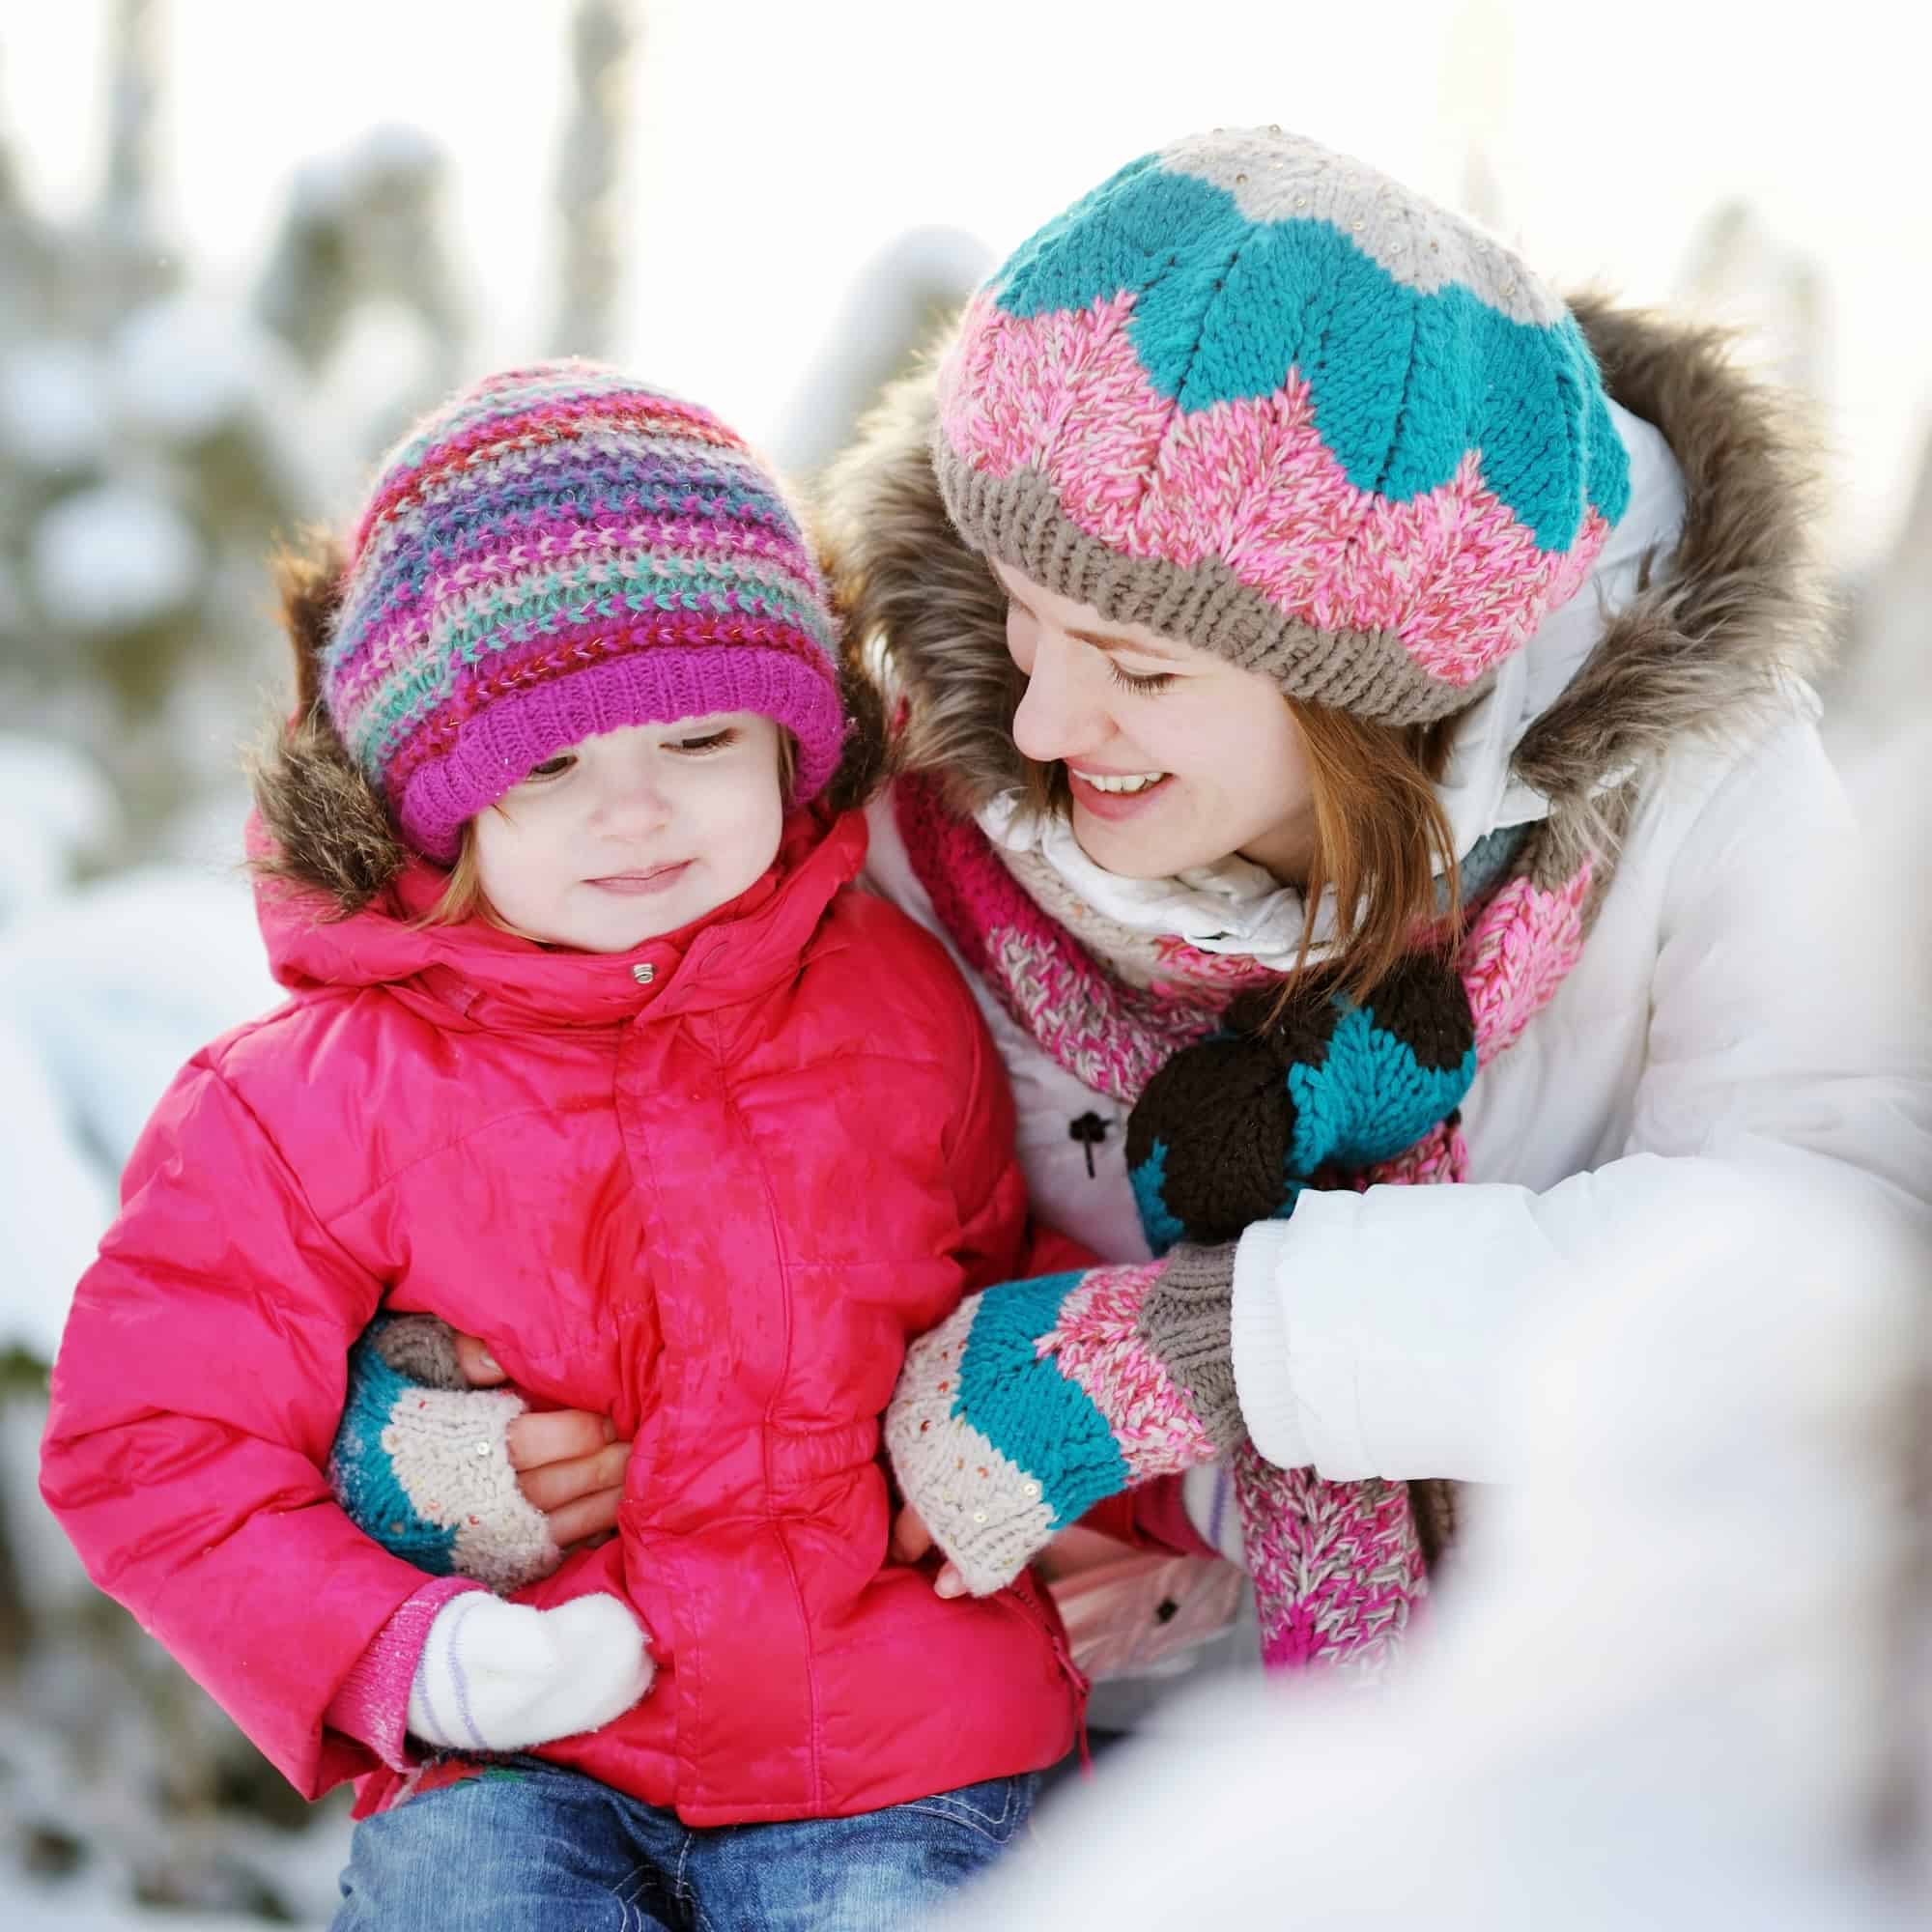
point(1173, 758)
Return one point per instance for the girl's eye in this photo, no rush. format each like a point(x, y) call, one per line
point(712, 740)
point(553, 768)
point(1128, 681)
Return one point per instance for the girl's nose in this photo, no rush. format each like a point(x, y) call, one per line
point(1061, 715)
point(631, 799)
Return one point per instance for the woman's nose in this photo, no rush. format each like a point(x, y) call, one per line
point(1058, 717)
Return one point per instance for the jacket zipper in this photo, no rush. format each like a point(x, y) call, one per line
point(1016, 1598)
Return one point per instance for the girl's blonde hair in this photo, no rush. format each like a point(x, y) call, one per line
point(463, 896)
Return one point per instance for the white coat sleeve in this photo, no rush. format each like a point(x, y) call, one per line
point(1783, 1061)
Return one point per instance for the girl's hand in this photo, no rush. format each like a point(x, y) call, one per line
point(569, 1462)
point(911, 1541)
point(502, 1677)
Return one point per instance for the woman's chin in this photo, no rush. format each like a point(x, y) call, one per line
point(1132, 851)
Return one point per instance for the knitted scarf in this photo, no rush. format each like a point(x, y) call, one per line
point(1336, 1567)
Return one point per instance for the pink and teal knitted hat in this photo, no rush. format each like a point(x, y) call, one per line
point(560, 552)
point(1262, 399)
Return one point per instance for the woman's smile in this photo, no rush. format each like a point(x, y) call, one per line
point(1115, 799)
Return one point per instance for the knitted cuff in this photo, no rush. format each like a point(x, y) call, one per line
point(1185, 1322)
point(372, 1703)
point(426, 1471)
point(1037, 1400)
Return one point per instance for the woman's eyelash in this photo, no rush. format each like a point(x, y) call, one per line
point(553, 768)
point(1125, 679)
point(714, 741)
point(1128, 681)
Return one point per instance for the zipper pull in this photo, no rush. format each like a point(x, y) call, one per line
point(1089, 1130)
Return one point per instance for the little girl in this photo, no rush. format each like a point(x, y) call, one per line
point(590, 1053)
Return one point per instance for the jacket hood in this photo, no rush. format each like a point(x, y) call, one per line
point(473, 974)
point(1703, 608)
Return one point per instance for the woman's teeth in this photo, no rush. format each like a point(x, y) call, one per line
point(1138, 783)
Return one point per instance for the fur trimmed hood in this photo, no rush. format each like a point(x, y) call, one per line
point(1708, 637)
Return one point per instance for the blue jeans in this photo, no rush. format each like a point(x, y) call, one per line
point(529, 1847)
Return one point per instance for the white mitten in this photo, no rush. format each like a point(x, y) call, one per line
point(501, 1677)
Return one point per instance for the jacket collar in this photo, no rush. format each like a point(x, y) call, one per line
point(474, 977)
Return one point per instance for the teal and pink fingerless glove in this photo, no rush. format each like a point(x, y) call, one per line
point(1038, 1399)
point(421, 1461)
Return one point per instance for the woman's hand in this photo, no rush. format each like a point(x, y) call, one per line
point(569, 1462)
point(911, 1541)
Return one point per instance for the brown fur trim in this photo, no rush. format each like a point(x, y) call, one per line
point(330, 829)
point(308, 582)
point(1738, 608)
point(909, 586)
point(1701, 650)
point(864, 759)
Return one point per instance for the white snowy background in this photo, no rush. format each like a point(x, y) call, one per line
point(240, 244)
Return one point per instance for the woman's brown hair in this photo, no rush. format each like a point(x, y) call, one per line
point(1382, 838)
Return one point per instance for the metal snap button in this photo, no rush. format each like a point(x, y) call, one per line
point(645, 972)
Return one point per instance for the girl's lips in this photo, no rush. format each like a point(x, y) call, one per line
point(638, 885)
point(1114, 805)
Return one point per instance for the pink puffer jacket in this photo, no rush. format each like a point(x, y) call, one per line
point(709, 1188)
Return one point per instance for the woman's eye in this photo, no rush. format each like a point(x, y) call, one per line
point(1128, 681)
point(553, 768)
point(712, 740)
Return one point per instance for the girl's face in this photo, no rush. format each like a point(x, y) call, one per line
point(1175, 758)
point(634, 832)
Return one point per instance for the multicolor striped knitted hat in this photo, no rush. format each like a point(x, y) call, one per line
point(1261, 398)
point(556, 552)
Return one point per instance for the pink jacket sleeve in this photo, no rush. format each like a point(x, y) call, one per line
point(194, 1400)
point(372, 1704)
